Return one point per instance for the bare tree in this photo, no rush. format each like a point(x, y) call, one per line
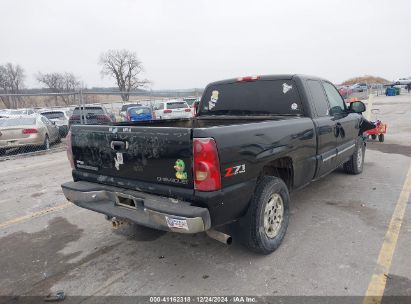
point(60, 83)
point(125, 68)
point(11, 81)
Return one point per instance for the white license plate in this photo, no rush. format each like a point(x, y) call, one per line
point(176, 223)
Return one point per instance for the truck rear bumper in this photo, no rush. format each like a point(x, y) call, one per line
point(145, 209)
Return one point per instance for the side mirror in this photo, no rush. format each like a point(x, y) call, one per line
point(357, 107)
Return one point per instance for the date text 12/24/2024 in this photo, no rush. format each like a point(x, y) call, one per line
point(203, 299)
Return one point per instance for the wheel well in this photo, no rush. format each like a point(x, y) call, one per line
point(282, 168)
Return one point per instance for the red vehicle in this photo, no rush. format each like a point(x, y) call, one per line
point(379, 130)
point(345, 91)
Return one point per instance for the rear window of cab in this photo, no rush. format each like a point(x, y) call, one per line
point(252, 98)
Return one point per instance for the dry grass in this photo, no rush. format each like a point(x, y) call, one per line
point(367, 79)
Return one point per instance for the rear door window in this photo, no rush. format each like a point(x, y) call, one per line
point(45, 120)
point(319, 98)
point(252, 98)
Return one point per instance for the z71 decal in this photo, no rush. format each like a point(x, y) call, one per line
point(234, 170)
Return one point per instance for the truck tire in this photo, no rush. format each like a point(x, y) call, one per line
point(381, 137)
point(374, 137)
point(266, 221)
point(356, 162)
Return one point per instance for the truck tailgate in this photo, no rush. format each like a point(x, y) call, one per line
point(136, 153)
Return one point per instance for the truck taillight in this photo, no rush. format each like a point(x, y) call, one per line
point(30, 131)
point(248, 78)
point(70, 150)
point(167, 111)
point(206, 165)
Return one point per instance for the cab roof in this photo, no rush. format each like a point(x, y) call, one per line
point(267, 77)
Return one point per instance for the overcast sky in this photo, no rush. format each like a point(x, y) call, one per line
point(186, 44)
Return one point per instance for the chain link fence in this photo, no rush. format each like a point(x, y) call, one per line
point(37, 123)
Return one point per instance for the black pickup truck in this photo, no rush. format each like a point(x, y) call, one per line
point(254, 140)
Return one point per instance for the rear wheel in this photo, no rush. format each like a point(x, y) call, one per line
point(381, 137)
point(266, 221)
point(373, 136)
point(46, 144)
point(356, 162)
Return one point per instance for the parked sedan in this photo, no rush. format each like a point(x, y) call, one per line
point(60, 118)
point(172, 109)
point(139, 114)
point(27, 131)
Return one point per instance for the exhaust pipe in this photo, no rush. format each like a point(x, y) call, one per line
point(219, 236)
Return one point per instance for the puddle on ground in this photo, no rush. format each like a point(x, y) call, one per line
point(368, 215)
point(390, 148)
point(31, 264)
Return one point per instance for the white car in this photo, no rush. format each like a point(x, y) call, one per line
point(172, 109)
point(403, 81)
point(60, 117)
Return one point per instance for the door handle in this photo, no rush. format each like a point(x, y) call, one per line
point(117, 145)
point(337, 129)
